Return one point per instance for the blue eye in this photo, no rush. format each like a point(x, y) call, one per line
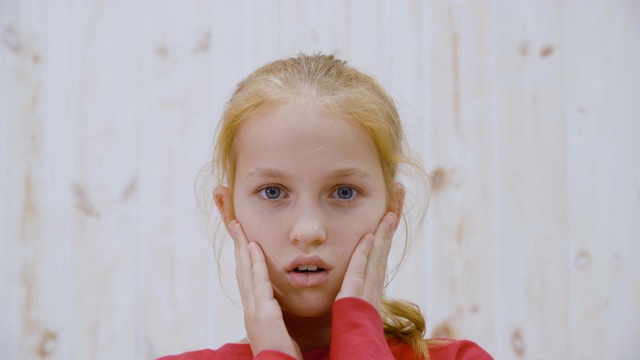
point(271, 193)
point(345, 193)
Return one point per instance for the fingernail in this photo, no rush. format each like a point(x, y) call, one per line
point(252, 248)
point(391, 219)
point(233, 226)
point(371, 239)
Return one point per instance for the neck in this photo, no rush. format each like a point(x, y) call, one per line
point(309, 333)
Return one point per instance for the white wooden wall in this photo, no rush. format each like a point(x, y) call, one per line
point(526, 112)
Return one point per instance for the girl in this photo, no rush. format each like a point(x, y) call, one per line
point(307, 156)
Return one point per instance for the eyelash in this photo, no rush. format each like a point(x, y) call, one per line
point(265, 198)
point(357, 192)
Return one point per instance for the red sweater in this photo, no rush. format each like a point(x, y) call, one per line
point(356, 333)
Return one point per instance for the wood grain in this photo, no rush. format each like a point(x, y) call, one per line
point(524, 113)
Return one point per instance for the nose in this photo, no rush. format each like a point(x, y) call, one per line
point(308, 226)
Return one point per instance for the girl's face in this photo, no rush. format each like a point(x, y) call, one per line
point(308, 186)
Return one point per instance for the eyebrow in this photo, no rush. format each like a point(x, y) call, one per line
point(347, 172)
point(261, 173)
point(267, 173)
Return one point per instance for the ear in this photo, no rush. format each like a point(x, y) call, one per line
point(397, 202)
point(222, 198)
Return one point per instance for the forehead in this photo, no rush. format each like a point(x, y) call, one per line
point(296, 137)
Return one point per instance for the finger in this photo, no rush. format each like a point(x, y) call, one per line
point(262, 288)
point(243, 264)
point(376, 269)
point(382, 244)
point(353, 282)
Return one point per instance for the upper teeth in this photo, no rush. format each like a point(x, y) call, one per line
point(307, 268)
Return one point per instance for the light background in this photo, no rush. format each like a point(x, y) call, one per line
point(526, 113)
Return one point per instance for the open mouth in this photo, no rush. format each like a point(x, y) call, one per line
point(308, 269)
point(308, 275)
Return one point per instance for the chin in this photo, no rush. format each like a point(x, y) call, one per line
point(307, 309)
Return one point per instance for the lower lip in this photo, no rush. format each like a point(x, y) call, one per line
point(308, 279)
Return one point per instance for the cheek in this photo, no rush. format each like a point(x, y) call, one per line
point(344, 229)
point(349, 230)
point(263, 232)
point(258, 226)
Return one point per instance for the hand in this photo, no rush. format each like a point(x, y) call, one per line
point(262, 314)
point(367, 269)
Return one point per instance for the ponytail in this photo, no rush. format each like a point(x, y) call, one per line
point(403, 320)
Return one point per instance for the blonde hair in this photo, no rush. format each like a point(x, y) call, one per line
point(331, 85)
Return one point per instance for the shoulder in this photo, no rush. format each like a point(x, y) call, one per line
point(441, 349)
point(193, 355)
point(228, 351)
point(456, 349)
